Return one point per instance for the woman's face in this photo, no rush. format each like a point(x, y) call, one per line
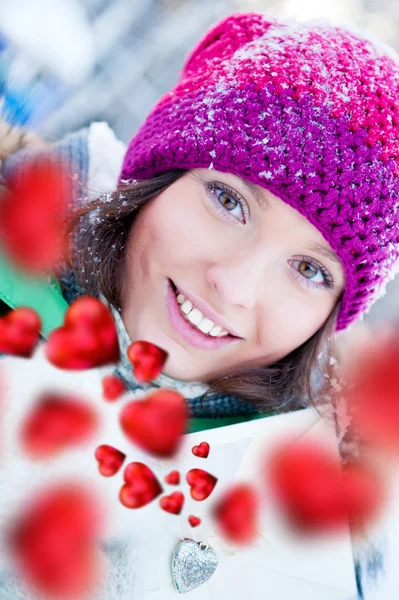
point(252, 264)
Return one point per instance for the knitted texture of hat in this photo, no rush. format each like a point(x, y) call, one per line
point(309, 112)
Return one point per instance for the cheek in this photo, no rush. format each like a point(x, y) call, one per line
point(292, 323)
point(175, 230)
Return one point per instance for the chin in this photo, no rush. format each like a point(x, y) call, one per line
point(178, 372)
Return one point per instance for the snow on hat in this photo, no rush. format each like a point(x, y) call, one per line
point(309, 112)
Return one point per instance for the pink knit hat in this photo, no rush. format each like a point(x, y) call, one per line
point(309, 112)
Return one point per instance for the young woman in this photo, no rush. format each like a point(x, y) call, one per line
point(254, 216)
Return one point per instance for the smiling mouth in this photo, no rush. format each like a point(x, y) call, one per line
point(227, 333)
point(187, 330)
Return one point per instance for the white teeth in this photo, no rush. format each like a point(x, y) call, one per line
point(215, 331)
point(205, 325)
point(195, 316)
point(186, 307)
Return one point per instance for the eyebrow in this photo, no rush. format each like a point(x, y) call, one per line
point(325, 252)
point(257, 193)
point(265, 204)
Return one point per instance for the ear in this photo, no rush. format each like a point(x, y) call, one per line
point(224, 38)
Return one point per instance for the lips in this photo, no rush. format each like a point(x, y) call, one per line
point(191, 334)
point(207, 311)
point(177, 291)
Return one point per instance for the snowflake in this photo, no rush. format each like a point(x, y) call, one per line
point(266, 174)
point(208, 101)
point(343, 417)
point(94, 218)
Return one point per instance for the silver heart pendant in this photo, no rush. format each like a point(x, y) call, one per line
point(193, 563)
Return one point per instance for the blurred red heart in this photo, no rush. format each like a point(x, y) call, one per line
point(56, 422)
point(141, 486)
point(113, 387)
point(87, 339)
point(172, 503)
point(372, 395)
point(54, 540)
point(156, 423)
point(19, 332)
point(31, 213)
point(110, 459)
point(202, 450)
point(317, 494)
point(147, 360)
point(194, 521)
point(201, 483)
point(364, 494)
point(237, 514)
point(173, 478)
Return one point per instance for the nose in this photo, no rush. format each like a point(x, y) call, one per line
point(238, 279)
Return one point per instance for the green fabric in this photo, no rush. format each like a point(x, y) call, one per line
point(45, 297)
point(203, 423)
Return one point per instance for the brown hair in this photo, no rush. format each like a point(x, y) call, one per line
point(99, 232)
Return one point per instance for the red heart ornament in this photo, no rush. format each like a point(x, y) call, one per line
point(173, 478)
point(316, 494)
point(57, 422)
point(141, 486)
point(87, 339)
point(172, 503)
point(54, 540)
point(113, 387)
point(237, 514)
point(110, 459)
point(147, 360)
point(194, 521)
point(201, 483)
point(202, 451)
point(19, 332)
point(156, 423)
point(31, 212)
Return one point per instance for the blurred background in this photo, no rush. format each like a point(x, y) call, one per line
point(67, 63)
